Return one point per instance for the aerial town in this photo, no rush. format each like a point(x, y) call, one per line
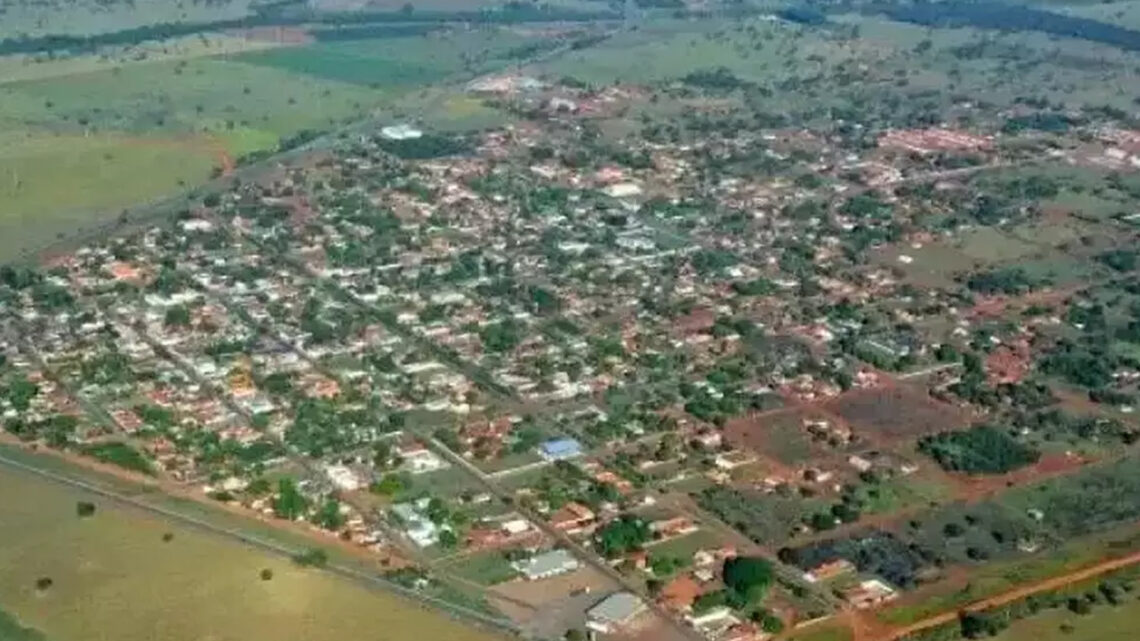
point(606, 374)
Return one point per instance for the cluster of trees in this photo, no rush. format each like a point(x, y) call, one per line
point(983, 449)
point(1003, 280)
point(320, 426)
point(622, 535)
point(120, 454)
point(426, 146)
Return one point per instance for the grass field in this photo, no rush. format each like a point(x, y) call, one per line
point(114, 577)
point(84, 17)
point(50, 184)
point(407, 61)
point(485, 568)
point(17, 68)
point(1104, 623)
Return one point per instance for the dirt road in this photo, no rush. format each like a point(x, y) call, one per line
point(1054, 583)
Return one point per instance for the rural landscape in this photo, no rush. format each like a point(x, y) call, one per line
point(652, 320)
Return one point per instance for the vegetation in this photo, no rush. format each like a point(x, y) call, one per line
point(621, 536)
point(983, 449)
point(120, 454)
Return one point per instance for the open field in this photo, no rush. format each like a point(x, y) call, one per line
point(109, 573)
point(85, 17)
point(1115, 623)
point(895, 413)
point(396, 61)
point(50, 183)
point(17, 68)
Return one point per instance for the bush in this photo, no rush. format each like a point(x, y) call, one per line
point(980, 450)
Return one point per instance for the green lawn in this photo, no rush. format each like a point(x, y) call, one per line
point(485, 568)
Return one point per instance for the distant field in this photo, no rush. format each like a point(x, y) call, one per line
point(194, 96)
point(114, 578)
point(17, 68)
point(84, 17)
point(120, 130)
point(395, 61)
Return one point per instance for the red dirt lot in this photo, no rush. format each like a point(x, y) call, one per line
point(895, 413)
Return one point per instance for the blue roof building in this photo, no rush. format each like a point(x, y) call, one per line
point(560, 449)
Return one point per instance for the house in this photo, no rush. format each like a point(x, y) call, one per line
point(869, 593)
point(560, 449)
point(546, 565)
point(622, 190)
point(614, 612)
point(859, 463)
point(343, 478)
point(829, 570)
point(674, 527)
point(416, 525)
point(401, 132)
point(729, 461)
point(573, 518)
point(420, 460)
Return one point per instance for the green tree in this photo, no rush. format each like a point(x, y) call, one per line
point(747, 579)
point(289, 503)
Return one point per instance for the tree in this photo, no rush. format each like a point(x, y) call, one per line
point(289, 503)
point(266, 574)
point(85, 509)
point(747, 579)
point(448, 540)
point(621, 535)
point(329, 516)
point(574, 634)
point(177, 316)
point(390, 485)
point(311, 558)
